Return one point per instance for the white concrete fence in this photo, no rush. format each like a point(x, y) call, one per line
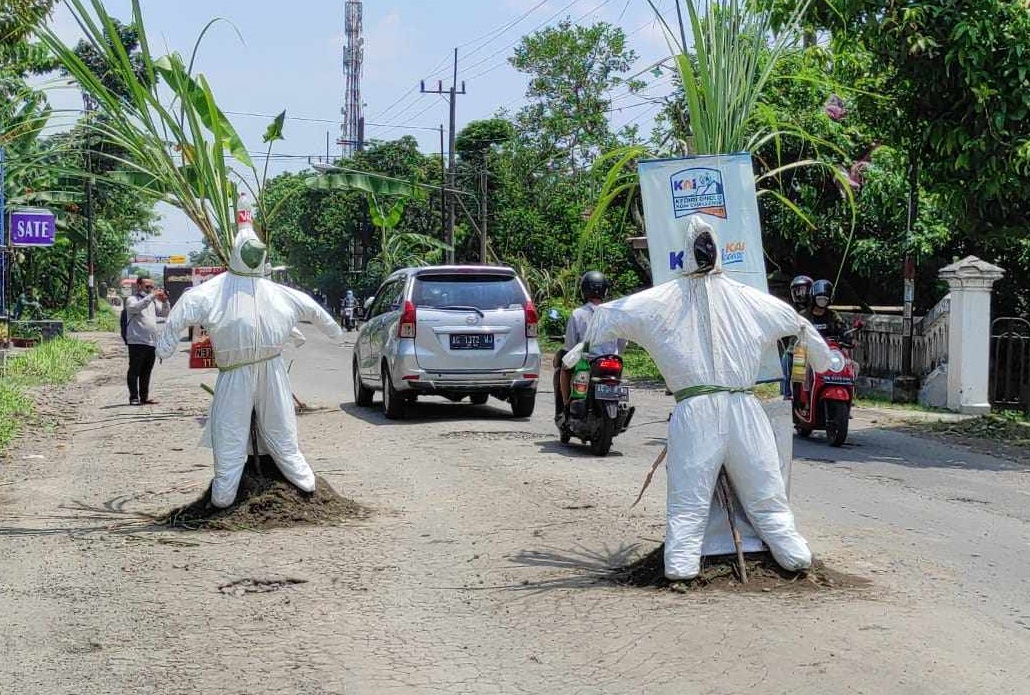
point(950, 345)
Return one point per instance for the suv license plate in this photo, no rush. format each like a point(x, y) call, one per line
point(472, 341)
point(607, 392)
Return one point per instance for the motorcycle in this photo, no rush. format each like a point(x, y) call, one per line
point(599, 406)
point(349, 321)
point(823, 400)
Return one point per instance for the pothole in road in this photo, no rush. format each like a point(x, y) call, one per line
point(719, 573)
point(492, 436)
point(258, 586)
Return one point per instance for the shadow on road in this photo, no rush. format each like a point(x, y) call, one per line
point(902, 446)
point(588, 566)
point(433, 410)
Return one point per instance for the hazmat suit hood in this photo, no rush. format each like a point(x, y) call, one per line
point(248, 254)
point(702, 255)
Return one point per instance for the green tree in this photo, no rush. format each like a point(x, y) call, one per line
point(573, 71)
point(953, 97)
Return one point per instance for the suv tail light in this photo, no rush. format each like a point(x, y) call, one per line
point(407, 324)
point(608, 367)
point(532, 319)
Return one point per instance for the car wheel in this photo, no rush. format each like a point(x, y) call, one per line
point(522, 402)
point(393, 402)
point(479, 398)
point(362, 395)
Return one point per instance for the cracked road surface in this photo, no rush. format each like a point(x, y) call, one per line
point(477, 573)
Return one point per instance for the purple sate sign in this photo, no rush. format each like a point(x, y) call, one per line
point(32, 227)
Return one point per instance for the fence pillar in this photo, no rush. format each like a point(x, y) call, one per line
point(969, 333)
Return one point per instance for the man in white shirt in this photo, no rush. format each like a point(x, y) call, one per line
point(143, 308)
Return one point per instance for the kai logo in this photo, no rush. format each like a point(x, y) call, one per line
point(698, 189)
point(733, 253)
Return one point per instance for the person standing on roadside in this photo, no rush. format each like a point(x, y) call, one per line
point(143, 308)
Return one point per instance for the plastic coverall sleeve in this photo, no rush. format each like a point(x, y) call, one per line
point(312, 311)
point(188, 311)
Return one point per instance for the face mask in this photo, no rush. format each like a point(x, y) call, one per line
point(705, 253)
point(822, 302)
point(253, 253)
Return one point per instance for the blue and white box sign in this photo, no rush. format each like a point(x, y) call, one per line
point(720, 188)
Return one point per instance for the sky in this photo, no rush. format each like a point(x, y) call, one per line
point(290, 57)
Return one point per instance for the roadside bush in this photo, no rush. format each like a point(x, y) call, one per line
point(75, 319)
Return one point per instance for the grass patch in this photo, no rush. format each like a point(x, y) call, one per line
point(75, 319)
point(639, 366)
point(1008, 428)
point(53, 362)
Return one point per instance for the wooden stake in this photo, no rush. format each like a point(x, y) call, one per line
point(724, 488)
point(647, 480)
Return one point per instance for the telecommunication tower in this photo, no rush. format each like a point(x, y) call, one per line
point(352, 129)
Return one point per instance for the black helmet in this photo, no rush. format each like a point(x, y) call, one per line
point(593, 284)
point(801, 291)
point(822, 293)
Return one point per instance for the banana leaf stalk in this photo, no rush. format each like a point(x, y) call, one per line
point(177, 143)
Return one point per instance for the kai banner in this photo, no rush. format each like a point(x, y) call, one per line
point(720, 188)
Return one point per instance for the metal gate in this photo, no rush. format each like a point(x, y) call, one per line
point(1010, 364)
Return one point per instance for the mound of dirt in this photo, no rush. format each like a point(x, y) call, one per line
point(719, 573)
point(266, 500)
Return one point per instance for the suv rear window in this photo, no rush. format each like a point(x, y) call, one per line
point(480, 291)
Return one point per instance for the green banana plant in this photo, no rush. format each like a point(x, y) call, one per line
point(396, 249)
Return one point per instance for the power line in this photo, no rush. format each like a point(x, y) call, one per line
point(505, 48)
point(494, 34)
point(325, 120)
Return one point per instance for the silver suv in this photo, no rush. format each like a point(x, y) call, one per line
point(451, 331)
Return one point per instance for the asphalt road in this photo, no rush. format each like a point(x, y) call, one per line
point(944, 510)
point(481, 565)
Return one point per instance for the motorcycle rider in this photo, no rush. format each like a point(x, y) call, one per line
point(827, 321)
point(801, 298)
point(593, 287)
point(349, 301)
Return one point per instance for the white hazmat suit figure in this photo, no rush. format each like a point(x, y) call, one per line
point(706, 333)
point(250, 319)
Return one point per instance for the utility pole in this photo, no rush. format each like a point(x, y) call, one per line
point(90, 106)
point(482, 215)
point(443, 188)
point(451, 178)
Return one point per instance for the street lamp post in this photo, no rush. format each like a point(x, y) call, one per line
point(90, 105)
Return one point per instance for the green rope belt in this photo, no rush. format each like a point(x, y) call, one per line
point(704, 390)
point(238, 365)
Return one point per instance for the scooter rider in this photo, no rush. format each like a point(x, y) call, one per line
point(349, 301)
point(593, 286)
point(801, 298)
point(825, 320)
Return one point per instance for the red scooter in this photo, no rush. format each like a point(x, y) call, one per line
point(823, 400)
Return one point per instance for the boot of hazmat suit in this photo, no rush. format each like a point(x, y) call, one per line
point(707, 332)
point(250, 320)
